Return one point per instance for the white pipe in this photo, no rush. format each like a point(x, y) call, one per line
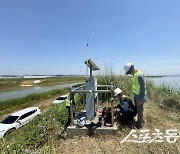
point(81, 91)
point(103, 85)
point(102, 91)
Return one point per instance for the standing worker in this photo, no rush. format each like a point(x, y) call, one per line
point(68, 101)
point(139, 90)
point(126, 106)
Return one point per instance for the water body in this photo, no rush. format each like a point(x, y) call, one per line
point(172, 81)
point(25, 92)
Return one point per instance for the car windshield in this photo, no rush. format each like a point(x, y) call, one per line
point(61, 98)
point(9, 120)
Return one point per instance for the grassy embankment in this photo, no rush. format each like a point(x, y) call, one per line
point(12, 105)
point(10, 84)
point(44, 134)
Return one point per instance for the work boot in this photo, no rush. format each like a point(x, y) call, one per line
point(138, 125)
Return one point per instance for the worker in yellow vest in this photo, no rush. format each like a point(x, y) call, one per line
point(126, 106)
point(68, 108)
point(68, 101)
point(139, 90)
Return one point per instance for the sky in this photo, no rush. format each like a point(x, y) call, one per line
point(50, 36)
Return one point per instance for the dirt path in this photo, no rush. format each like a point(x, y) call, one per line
point(44, 105)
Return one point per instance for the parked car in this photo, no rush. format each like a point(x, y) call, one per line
point(17, 120)
point(60, 99)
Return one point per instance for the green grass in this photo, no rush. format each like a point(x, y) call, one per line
point(167, 98)
point(38, 133)
point(9, 84)
point(6, 84)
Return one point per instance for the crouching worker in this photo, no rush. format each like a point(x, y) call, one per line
point(126, 106)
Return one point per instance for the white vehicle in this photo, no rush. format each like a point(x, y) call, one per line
point(17, 120)
point(60, 99)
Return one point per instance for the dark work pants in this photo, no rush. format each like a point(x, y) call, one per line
point(140, 111)
point(128, 116)
point(69, 116)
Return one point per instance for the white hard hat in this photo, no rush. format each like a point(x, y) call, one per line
point(81, 122)
point(117, 91)
point(128, 68)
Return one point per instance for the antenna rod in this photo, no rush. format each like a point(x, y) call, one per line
point(87, 57)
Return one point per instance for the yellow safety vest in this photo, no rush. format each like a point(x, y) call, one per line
point(135, 83)
point(129, 101)
point(68, 101)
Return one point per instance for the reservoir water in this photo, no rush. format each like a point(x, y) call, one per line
point(172, 81)
point(24, 92)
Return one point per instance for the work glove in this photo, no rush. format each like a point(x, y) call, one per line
point(112, 99)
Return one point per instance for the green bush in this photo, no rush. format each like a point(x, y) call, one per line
point(162, 95)
point(121, 82)
point(79, 102)
point(168, 97)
